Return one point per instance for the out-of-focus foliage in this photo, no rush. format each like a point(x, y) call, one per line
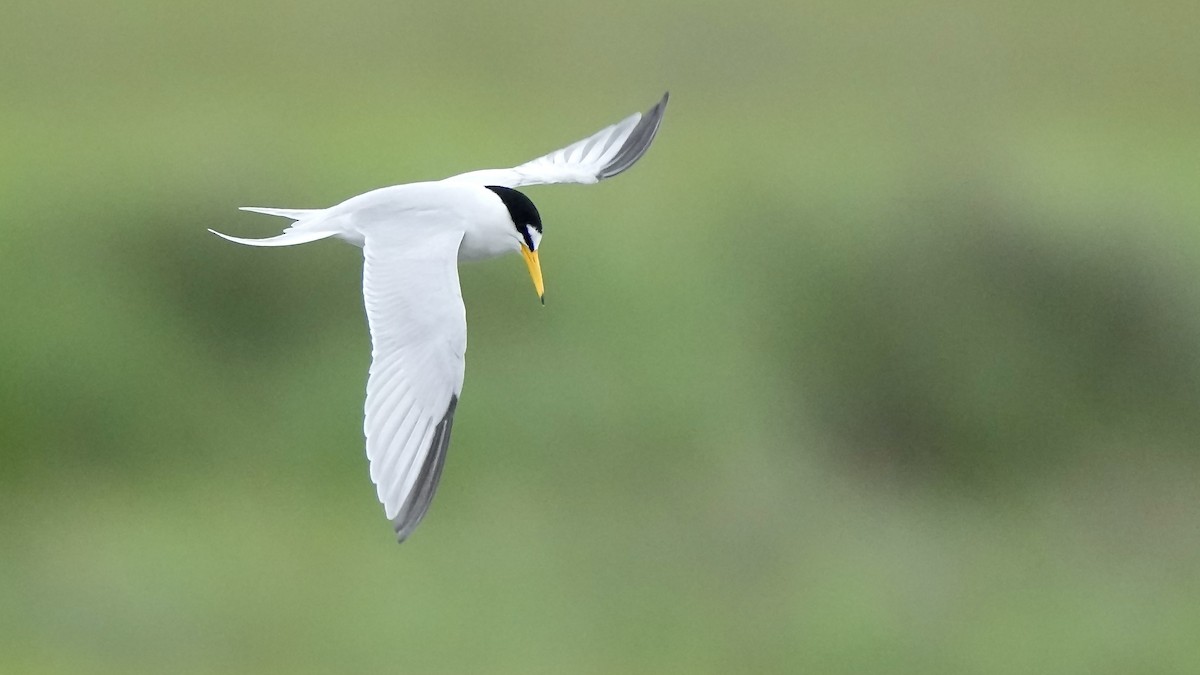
point(885, 359)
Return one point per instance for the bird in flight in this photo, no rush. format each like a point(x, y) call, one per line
point(413, 237)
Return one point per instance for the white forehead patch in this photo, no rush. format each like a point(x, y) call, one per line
point(534, 236)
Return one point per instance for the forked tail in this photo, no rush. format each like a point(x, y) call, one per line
point(297, 233)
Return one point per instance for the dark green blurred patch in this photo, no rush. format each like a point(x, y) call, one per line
point(972, 342)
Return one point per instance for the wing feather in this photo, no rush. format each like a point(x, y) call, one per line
point(604, 154)
point(418, 338)
point(430, 474)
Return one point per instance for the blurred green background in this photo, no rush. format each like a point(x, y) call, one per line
point(885, 359)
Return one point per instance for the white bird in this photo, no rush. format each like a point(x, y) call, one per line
point(412, 237)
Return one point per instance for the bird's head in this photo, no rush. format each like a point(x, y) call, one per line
point(527, 230)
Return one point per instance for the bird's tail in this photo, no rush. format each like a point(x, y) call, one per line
point(289, 238)
point(297, 233)
point(294, 214)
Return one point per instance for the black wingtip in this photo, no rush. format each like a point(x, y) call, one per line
point(427, 481)
point(639, 139)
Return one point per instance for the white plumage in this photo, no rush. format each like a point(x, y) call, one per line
point(412, 237)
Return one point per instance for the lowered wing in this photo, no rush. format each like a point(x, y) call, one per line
point(418, 342)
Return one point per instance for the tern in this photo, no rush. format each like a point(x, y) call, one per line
point(413, 236)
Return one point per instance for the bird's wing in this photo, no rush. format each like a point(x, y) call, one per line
point(604, 154)
point(418, 341)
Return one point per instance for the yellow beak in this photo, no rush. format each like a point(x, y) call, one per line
point(535, 271)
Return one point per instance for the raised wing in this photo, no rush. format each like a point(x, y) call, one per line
point(604, 154)
point(418, 341)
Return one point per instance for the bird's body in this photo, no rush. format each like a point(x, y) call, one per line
point(413, 236)
point(453, 205)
